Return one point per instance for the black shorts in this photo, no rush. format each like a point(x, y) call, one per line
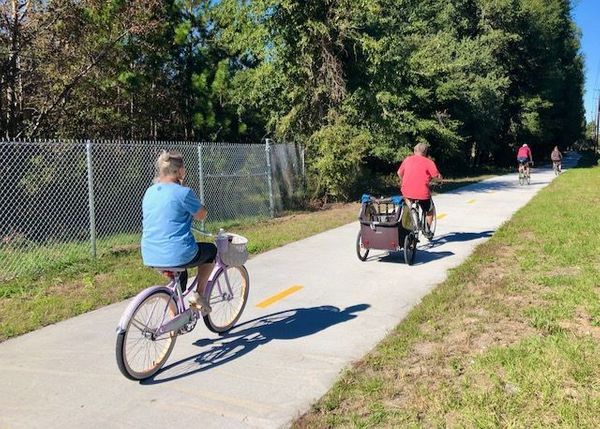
point(425, 205)
point(207, 252)
point(523, 161)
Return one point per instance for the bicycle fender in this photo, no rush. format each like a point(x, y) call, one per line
point(137, 300)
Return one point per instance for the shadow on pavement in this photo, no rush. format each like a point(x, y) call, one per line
point(459, 237)
point(485, 186)
point(422, 257)
point(284, 325)
point(424, 252)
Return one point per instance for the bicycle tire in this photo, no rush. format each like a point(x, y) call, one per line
point(359, 246)
point(521, 179)
point(410, 248)
point(229, 287)
point(415, 219)
point(125, 348)
point(528, 178)
point(431, 228)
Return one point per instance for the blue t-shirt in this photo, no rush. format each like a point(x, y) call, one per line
point(168, 210)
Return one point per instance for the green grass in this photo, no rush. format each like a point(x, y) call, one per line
point(63, 281)
point(511, 339)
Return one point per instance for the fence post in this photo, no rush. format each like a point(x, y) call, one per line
point(90, 177)
point(269, 177)
point(201, 180)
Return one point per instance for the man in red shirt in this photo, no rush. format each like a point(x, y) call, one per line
point(415, 173)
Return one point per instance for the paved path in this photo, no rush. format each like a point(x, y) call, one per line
point(280, 358)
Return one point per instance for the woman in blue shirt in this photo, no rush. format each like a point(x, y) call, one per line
point(167, 241)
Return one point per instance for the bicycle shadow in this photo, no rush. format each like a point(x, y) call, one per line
point(422, 257)
point(283, 325)
point(454, 237)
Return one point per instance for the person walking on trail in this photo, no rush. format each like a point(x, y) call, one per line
point(168, 209)
point(556, 158)
point(524, 157)
point(416, 173)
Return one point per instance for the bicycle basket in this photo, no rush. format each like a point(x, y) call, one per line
point(232, 249)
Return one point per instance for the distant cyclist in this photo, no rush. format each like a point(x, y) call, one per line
point(416, 172)
point(524, 158)
point(556, 158)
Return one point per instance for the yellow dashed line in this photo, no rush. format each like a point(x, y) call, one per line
point(279, 296)
point(471, 201)
point(441, 216)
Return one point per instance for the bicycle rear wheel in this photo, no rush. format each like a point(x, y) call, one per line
point(410, 248)
point(361, 251)
point(140, 354)
point(415, 217)
point(227, 296)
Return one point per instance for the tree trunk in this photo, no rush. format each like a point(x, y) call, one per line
point(12, 68)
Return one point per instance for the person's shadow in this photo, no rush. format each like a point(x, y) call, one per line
point(284, 325)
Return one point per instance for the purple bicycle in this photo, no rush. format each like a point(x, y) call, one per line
point(156, 316)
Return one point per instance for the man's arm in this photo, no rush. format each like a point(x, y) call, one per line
point(435, 173)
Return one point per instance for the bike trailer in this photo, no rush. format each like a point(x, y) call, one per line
point(381, 223)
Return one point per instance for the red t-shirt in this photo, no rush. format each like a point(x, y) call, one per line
point(416, 172)
point(524, 152)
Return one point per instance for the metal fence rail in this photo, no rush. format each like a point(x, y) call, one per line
point(65, 200)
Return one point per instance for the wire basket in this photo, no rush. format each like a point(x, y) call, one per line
point(232, 249)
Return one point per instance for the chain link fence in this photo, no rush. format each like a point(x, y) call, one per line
point(64, 201)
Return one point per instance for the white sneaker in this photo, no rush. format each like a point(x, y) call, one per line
point(200, 303)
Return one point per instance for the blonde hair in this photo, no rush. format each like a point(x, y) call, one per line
point(168, 163)
point(421, 148)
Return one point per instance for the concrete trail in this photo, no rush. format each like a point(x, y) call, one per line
point(280, 358)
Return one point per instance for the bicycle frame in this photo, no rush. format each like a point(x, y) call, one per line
point(419, 217)
point(173, 288)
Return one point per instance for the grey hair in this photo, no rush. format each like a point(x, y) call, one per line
point(168, 163)
point(421, 148)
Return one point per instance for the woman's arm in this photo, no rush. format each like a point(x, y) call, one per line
point(201, 214)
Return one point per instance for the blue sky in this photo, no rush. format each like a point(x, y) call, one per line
point(587, 16)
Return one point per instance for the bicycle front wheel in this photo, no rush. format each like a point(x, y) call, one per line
point(140, 353)
point(227, 296)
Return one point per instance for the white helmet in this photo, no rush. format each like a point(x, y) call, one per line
point(524, 144)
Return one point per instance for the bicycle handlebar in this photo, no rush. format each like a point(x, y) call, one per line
point(203, 232)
